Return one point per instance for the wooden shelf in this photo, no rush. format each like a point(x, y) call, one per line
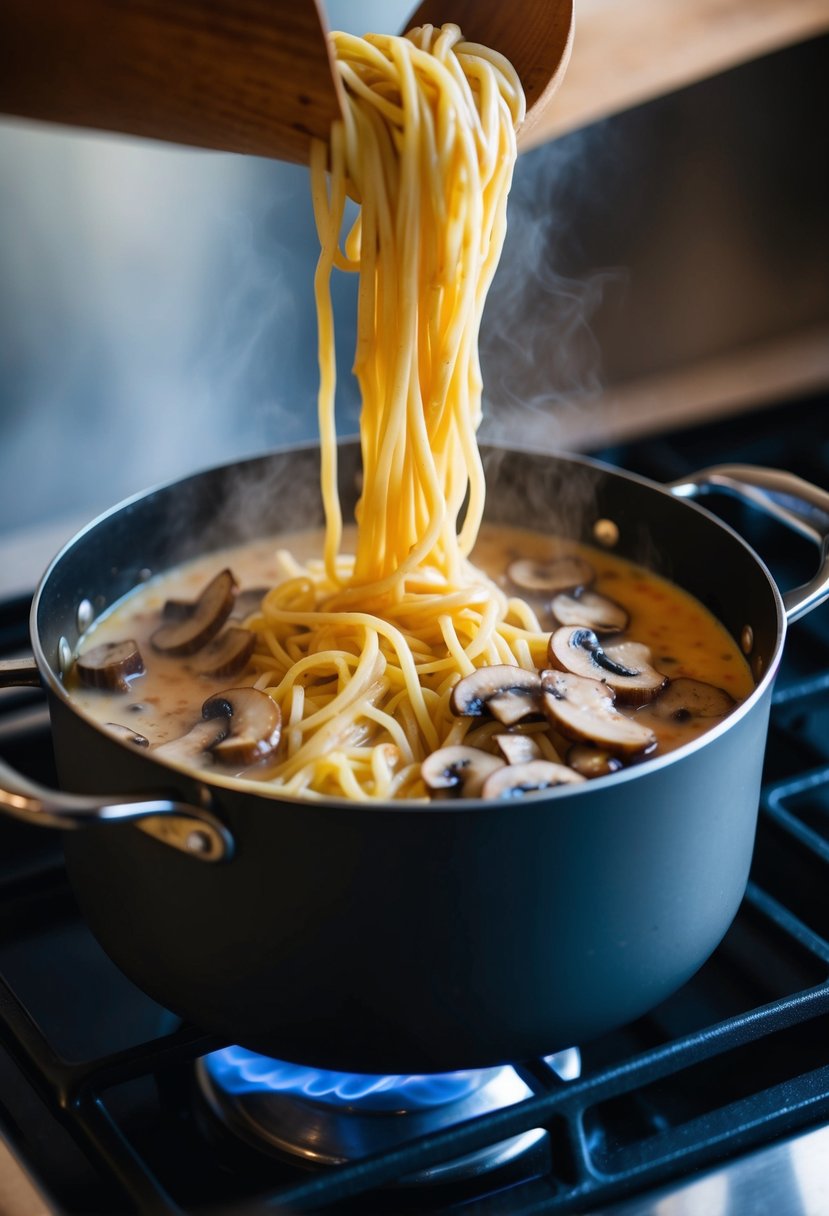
point(766, 373)
point(628, 53)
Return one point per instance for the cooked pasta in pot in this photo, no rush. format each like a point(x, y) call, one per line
point(426, 147)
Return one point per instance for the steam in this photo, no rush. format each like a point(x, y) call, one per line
point(540, 360)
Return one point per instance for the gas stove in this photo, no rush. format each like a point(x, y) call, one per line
point(109, 1104)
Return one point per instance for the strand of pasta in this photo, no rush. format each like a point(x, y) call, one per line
point(362, 653)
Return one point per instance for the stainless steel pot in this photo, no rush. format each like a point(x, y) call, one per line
point(382, 938)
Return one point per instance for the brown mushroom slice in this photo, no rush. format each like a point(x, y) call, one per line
point(458, 771)
point(195, 746)
point(647, 681)
point(518, 749)
point(582, 710)
point(127, 734)
point(508, 693)
point(177, 610)
point(184, 636)
point(589, 608)
point(248, 601)
point(516, 780)
point(110, 665)
point(561, 574)
point(514, 706)
point(255, 725)
point(227, 654)
point(592, 761)
point(685, 698)
point(625, 668)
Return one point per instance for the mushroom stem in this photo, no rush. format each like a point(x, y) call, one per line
point(508, 693)
point(255, 725)
point(624, 667)
point(459, 770)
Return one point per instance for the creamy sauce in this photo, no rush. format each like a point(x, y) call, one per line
point(165, 701)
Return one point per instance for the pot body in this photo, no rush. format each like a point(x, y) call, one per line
point(395, 938)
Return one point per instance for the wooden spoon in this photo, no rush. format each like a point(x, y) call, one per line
point(250, 76)
point(535, 35)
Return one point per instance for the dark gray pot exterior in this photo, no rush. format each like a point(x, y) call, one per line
point(389, 938)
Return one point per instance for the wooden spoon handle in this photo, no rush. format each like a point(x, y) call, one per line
point(252, 76)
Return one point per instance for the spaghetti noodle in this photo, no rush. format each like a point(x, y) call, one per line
point(361, 652)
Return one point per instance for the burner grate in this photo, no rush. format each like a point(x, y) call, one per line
point(634, 1122)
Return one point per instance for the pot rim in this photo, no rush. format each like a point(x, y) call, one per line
point(219, 781)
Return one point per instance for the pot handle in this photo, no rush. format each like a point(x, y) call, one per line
point(791, 500)
point(189, 829)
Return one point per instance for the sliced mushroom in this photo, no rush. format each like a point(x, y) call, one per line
point(508, 693)
point(625, 668)
point(518, 749)
point(685, 698)
point(592, 761)
point(178, 610)
point(646, 683)
point(515, 780)
point(561, 574)
point(110, 665)
point(248, 601)
point(458, 771)
point(590, 609)
point(255, 725)
point(195, 746)
point(514, 706)
point(127, 734)
point(186, 635)
point(582, 710)
point(227, 654)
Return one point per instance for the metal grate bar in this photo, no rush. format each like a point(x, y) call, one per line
point(800, 690)
point(94, 1128)
point(574, 1099)
point(787, 921)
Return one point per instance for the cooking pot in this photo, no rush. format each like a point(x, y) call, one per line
point(402, 937)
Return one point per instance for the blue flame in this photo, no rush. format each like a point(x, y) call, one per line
point(237, 1071)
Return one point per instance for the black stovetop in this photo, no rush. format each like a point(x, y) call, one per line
point(97, 1092)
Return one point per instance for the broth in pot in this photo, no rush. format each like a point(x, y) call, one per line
point(617, 665)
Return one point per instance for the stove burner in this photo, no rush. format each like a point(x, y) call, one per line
point(328, 1118)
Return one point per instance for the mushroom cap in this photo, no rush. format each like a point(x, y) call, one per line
point(590, 609)
point(255, 725)
point(458, 770)
point(516, 780)
point(625, 667)
point(509, 693)
point(184, 635)
point(582, 710)
point(560, 574)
